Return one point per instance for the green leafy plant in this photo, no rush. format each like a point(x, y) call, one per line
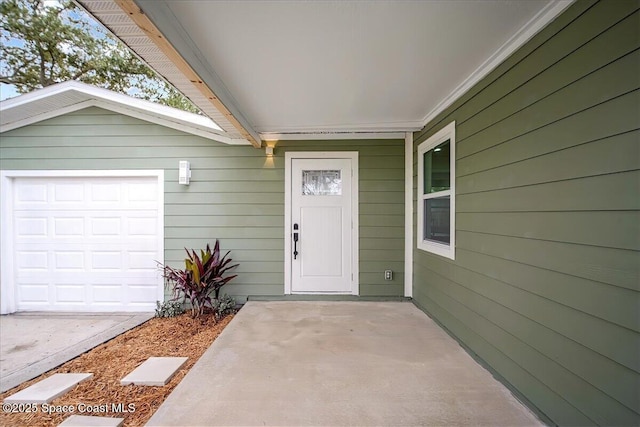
point(169, 308)
point(223, 306)
point(203, 275)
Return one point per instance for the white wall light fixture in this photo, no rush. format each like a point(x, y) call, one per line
point(269, 151)
point(184, 172)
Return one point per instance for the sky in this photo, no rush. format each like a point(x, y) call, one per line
point(7, 91)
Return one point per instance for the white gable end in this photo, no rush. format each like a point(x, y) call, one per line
point(63, 98)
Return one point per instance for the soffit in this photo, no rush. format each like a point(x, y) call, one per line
point(323, 67)
point(112, 16)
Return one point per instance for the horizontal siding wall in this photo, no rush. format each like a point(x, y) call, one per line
point(236, 194)
point(545, 287)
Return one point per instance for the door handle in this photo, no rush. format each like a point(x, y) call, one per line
point(295, 241)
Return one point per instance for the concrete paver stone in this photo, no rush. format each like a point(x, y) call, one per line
point(48, 389)
point(155, 371)
point(91, 421)
point(32, 343)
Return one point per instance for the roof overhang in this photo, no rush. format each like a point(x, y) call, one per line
point(268, 70)
point(63, 98)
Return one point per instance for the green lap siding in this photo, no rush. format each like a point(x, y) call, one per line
point(545, 286)
point(235, 194)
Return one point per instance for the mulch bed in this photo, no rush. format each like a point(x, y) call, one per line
point(109, 362)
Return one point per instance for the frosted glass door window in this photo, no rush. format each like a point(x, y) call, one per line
point(321, 183)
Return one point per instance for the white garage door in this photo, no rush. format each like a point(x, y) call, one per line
point(86, 243)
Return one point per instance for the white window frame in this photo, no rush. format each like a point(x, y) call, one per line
point(442, 249)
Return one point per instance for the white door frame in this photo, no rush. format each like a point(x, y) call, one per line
point(353, 156)
point(7, 179)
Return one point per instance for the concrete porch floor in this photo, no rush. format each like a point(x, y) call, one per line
point(334, 364)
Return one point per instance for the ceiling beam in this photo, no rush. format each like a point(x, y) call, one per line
point(149, 28)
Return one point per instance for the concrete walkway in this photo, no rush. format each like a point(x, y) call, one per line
point(335, 364)
point(33, 343)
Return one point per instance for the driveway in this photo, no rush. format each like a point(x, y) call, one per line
point(334, 364)
point(33, 343)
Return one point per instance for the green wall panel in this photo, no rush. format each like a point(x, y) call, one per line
point(616, 229)
point(610, 155)
point(595, 403)
point(545, 287)
point(613, 80)
point(612, 304)
point(612, 266)
point(565, 133)
point(461, 322)
point(607, 192)
point(588, 58)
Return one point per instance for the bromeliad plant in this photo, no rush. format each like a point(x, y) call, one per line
point(202, 275)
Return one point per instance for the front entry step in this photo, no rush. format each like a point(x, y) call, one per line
point(48, 389)
point(156, 371)
point(91, 421)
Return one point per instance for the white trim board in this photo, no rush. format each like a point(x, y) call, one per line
point(379, 127)
point(7, 177)
point(330, 136)
point(408, 215)
point(355, 238)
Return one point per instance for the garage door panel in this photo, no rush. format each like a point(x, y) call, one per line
point(69, 193)
point(146, 270)
point(108, 294)
point(105, 193)
point(68, 261)
point(106, 260)
point(139, 192)
point(140, 294)
point(75, 289)
point(31, 227)
point(70, 226)
point(139, 243)
point(91, 246)
point(84, 212)
point(143, 226)
point(107, 226)
point(31, 193)
point(36, 260)
point(148, 244)
point(64, 193)
point(70, 293)
point(34, 293)
point(142, 261)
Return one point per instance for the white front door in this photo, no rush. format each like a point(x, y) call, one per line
point(321, 221)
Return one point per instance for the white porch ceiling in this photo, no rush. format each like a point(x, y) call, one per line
point(317, 67)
